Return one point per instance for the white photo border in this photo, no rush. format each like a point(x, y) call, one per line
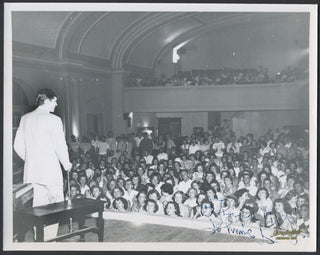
point(307, 245)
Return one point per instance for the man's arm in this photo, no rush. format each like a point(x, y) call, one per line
point(19, 144)
point(61, 145)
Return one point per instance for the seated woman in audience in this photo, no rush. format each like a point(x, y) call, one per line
point(264, 202)
point(283, 213)
point(154, 195)
point(247, 216)
point(166, 193)
point(302, 199)
point(212, 196)
point(117, 192)
point(151, 206)
point(289, 185)
point(178, 198)
point(139, 202)
point(269, 221)
point(120, 204)
point(83, 184)
point(242, 196)
point(96, 193)
point(121, 182)
point(172, 209)
point(155, 180)
point(229, 187)
point(198, 174)
point(90, 170)
point(136, 182)
point(291, 198)
point(186, 163)
point(216, 185)
point(208, 214)
point(168, 178)
point(155, 164)
point(298, 187)
point(129, 192)
point(74, 191)
point(230, 211)
point(74, 176)
point(192, 200)
point(197, 186)
point(262, 175)
point(196, 210)
point(110, 187)
point(235, 180)
point(91, 183)
point(303, 221)
point(143, 175)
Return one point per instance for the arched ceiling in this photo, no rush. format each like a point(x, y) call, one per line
point(136, 38)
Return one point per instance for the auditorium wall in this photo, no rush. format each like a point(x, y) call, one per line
point(78, 95)
point(258, 122)
point(189, 120)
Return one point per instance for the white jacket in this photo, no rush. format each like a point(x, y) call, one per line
point(40, 142)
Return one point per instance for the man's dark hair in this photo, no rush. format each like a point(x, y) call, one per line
point(44, 94)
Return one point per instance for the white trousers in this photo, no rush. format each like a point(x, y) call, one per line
point(43, 195)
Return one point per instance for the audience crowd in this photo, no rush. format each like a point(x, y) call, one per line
point(217, 77)
point(260, 181)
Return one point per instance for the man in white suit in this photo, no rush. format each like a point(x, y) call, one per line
point(40, 142)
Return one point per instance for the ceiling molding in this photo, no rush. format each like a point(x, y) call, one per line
point(139, 40)
point(124, 34)
point(89, 29)
point(135, 32)
point(64, 34)
point(60, 66)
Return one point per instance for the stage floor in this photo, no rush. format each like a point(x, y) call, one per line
point(123, 231)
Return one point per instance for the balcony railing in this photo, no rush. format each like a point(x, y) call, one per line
point(270, 96)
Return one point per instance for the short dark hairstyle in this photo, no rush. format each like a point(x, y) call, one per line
point(44, 94)
point(156, 207)
point(206, 201)
point(167, 188)
point(262, 188)
point(176, 207)
point(179, 192)
point(123, 200)
point(152, 192)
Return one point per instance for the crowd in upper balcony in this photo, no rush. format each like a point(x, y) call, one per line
point(226, 76)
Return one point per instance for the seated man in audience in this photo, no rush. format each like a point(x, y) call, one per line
point(185, 183)
point(146, 144)
point(162, 154)
point(103, 147)
point(246, 182)
point(193, 147)
point(148, 157)
point(233, 144)
point(218, 146)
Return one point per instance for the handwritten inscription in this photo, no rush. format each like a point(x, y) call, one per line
point(232, 228)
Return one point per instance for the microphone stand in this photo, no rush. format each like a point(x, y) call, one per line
point(69, 201)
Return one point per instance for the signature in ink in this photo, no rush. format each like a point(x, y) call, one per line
point(218, 224)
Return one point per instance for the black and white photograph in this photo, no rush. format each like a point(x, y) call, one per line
point(161, 127)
